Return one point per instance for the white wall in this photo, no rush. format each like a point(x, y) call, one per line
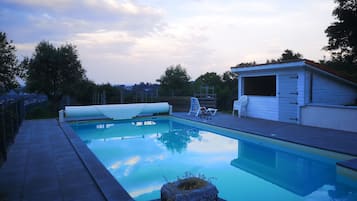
point(326, 90)
point(267, 107)
point(301, 87)
point(330, 116)
point(263, 107)
point(330, 91)
point(307, 77)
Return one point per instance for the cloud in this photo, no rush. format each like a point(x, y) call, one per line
point(116, 165)
point(144, 190)
point(96, 6)
point(133, 41)
point(102, 40)
point(61, 19)
point(132, 161)
point(209, 41)
point(54, 4)
point(208, 145)
point(25, 49)
point(131, 54)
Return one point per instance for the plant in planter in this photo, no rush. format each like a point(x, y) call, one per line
point(189, 188)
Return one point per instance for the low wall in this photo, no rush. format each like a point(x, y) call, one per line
point(330, 116)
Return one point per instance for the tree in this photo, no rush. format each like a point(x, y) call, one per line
point(229, 91)
point(342, 34)
point(226, 87)
point(86, 91)
point(54, 71)
point(8, 64)
point(287, 55)
point(174, 82)
point(208, 79)
point(346, 69)
point(112, 94)
point(246, 64)
point(177, 140)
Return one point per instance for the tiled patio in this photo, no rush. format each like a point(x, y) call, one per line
point(328, 139)
point(46, 163)
point(42, 165)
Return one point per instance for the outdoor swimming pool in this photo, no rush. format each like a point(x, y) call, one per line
point(143, 154)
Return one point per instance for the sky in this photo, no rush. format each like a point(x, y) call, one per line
point(127, 42)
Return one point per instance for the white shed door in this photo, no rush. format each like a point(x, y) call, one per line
point(288, 95)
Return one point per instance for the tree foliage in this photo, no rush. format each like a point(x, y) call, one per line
point(287, 55)
point(86, 90)
point(228, 91)
point(175, 82)
point(342, 34)
point(290, 55)
point(226, 87)
point(346, 69)
point(177, 140)
point(112, 93)
point(8, 64)
point(54, 71)
point(208, 79)
point(246, 64)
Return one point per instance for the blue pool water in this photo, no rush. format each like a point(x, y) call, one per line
point(144, 154)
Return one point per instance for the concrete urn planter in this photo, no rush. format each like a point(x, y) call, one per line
point(189, 189)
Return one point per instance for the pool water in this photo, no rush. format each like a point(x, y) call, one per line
point(145, 154)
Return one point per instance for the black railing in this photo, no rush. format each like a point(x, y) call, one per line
point(12, 112)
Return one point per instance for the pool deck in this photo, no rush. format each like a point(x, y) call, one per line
point(327, 139)
point(46, 162)
point(42, 164)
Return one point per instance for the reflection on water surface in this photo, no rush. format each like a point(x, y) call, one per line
point(143, 155)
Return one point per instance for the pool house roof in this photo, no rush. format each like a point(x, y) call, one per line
point(304, 63)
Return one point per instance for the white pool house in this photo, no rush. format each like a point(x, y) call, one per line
point(300, 91)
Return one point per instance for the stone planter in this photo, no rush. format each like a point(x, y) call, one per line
point(189, 189)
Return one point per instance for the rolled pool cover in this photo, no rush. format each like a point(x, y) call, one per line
point(115, 111)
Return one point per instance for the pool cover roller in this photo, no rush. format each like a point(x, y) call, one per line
point(116, 111)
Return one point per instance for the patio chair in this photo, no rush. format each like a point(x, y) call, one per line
point(240, 105)
point(207, 112)
point(198, 111)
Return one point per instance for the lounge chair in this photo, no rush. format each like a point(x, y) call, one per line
point(198, 111)
point(240, 105)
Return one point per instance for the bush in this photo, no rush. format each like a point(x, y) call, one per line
point(41, 111)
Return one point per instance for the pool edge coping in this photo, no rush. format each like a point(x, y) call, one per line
point(254, 133)
point(339, 164)
point(110, 188)
point(260, 135)
point(110, 192)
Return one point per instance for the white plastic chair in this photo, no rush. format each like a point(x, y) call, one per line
point(197, 110)
point(194, 107)
point(240, 105)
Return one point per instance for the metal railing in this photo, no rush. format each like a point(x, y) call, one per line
point(12, 112)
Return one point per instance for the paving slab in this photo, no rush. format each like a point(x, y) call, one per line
point(322, 138)
point(42, 165)
point(49, 162)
